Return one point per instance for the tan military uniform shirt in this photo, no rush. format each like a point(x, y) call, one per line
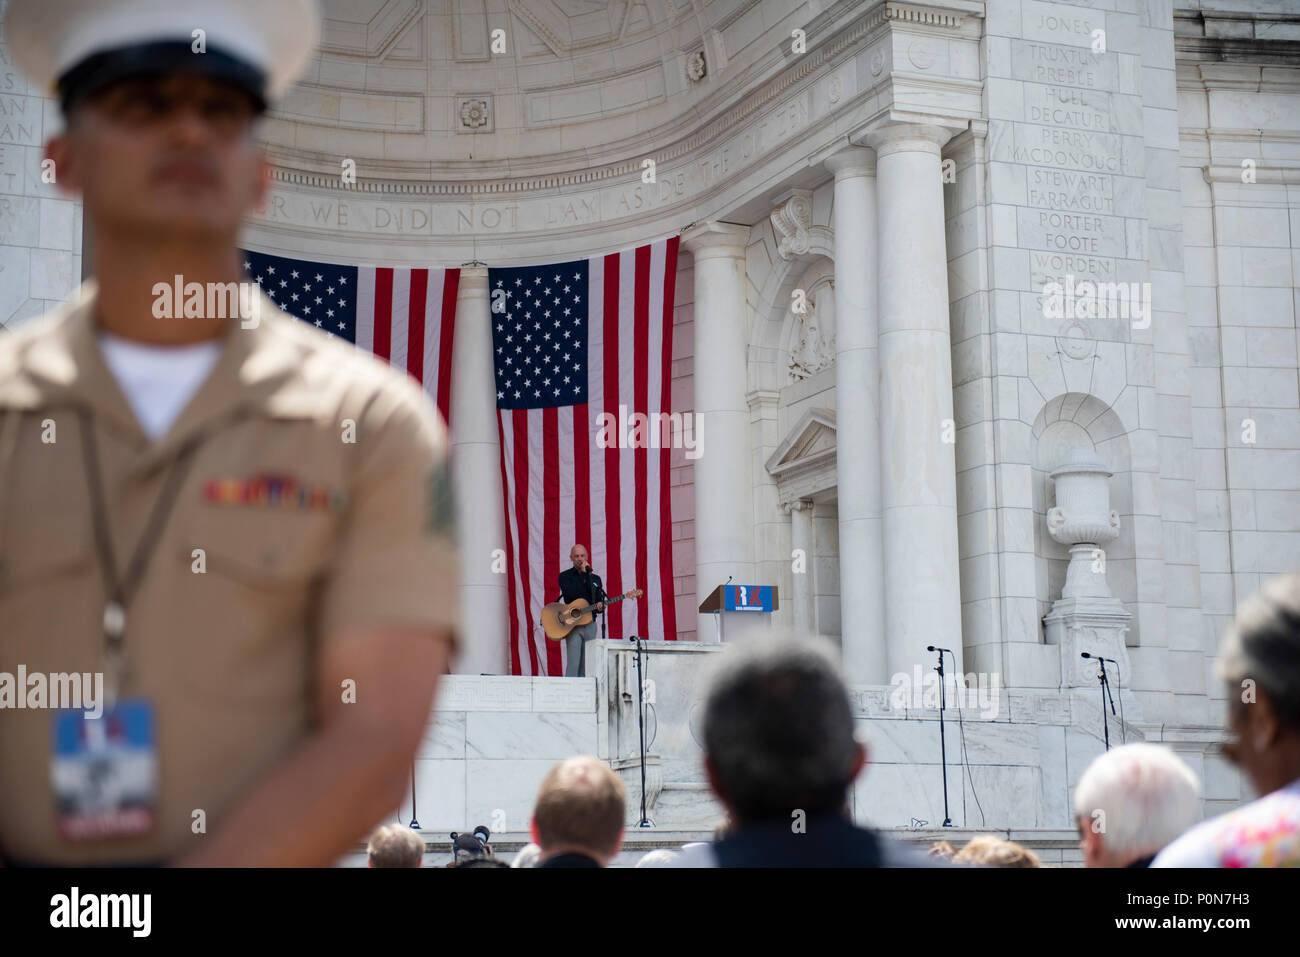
point(305, 537)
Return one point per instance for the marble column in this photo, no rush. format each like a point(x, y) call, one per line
point(918, 468)
point(857, 417)
point(476, 477)
point(724, 510)
point(801, 538)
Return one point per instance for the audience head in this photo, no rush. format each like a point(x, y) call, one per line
point(1260, 661)
point(943, 850)
point(394, 845)
point(529, 855)
point(989, 851)
point(468, 847)
point(1131, 802)
point(580, 810)
point(660, 857)
point(778, 730)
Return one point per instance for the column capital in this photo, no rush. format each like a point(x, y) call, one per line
point(797, 505)
point(908, 138)
point(713, 239)
point(473, 282)
point(851, 161)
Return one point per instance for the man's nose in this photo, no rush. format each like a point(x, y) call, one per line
point(187, 125)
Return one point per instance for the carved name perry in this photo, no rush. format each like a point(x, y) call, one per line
point(1051, 147)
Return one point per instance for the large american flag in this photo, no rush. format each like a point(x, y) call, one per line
point(407, 317)
point(570, 341)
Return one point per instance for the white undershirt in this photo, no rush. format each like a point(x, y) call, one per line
point(158, 381)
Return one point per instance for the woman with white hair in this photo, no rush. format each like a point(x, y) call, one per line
point(1260, 661)
point(1131, 802)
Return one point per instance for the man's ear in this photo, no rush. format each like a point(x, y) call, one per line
point(66, 174)
point(859, 760)
point(715, 785)
point(1094, 844)
point(1264, 727)
point(262, 188)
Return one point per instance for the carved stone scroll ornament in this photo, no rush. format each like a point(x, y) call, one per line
point(792, 220)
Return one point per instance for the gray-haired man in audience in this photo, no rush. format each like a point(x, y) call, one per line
point(1131, 802)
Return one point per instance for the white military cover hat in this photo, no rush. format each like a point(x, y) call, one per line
point(77, 46)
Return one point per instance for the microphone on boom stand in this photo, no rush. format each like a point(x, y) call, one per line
point(943, 745)
point(1105, 693)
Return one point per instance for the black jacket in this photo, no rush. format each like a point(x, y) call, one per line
point(830, 841)
point(574, 585)
point(569, 860)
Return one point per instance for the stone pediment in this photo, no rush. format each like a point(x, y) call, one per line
point(804, 463)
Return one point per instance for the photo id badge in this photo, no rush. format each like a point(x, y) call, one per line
point(105, 772)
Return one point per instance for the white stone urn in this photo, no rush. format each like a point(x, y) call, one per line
point(1083, 520)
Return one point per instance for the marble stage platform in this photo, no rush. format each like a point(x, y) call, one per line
point(492, 739)
point(1054, 846)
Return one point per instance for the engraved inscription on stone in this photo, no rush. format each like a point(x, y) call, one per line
point(20, 120)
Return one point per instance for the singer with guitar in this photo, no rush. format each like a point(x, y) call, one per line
point(581, 582)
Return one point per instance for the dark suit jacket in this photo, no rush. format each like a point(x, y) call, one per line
point(573, 586)
point(569, 860)
point(829, 841)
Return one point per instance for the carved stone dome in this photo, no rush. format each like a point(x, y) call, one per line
point(467, 89)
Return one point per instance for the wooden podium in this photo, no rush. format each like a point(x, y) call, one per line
point(741, 609)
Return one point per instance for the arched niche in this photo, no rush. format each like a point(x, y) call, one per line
point(1066, 421)
point(808, 340)
point(769, 342)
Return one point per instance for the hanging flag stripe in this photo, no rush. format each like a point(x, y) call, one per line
point(407, 317)
point(582, 356)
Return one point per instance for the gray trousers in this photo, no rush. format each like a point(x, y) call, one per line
point(576, 667)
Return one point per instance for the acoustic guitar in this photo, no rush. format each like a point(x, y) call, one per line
point(559, 619)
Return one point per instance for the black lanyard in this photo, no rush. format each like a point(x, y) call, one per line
point(120, 590)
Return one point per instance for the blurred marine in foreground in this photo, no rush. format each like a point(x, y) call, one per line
point(228, 534)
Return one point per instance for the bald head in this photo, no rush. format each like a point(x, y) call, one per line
point(580, 810)
point(578, 555)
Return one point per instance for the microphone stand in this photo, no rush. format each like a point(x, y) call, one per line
point(1105, 694)
point(603, 615)
point(1123, 725)
point(415, 824)
point(603, 596)
point(943, 744)
point(640, 720)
